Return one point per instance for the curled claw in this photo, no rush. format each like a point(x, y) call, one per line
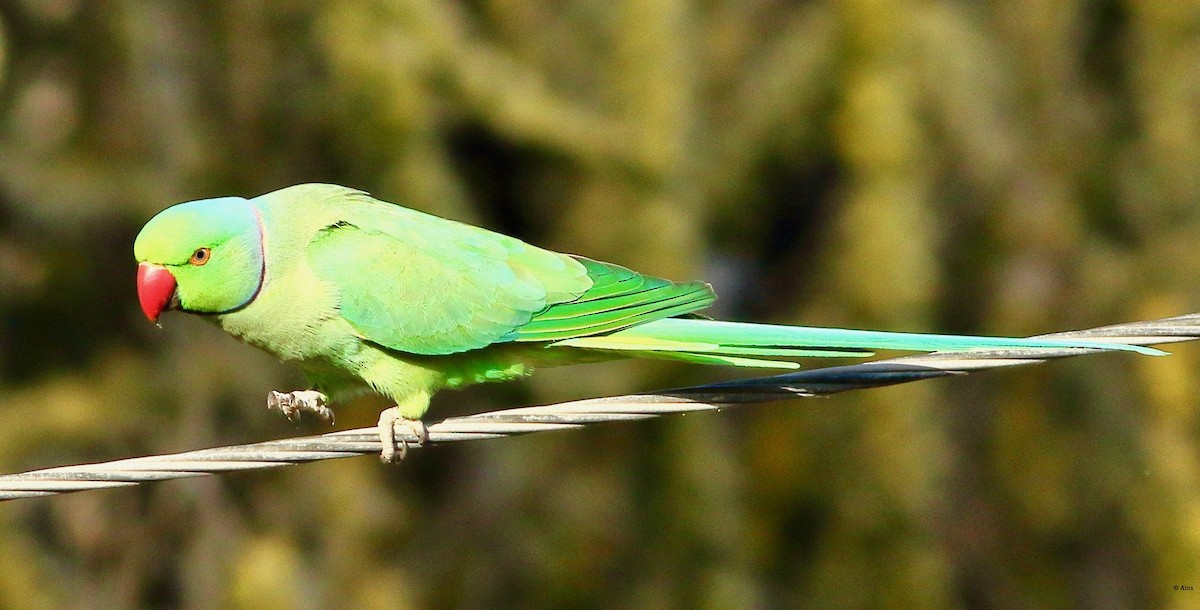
point(292, 404)
point(390, 421)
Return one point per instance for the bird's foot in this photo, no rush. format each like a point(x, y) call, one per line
point(394, 431)
point(292, 404)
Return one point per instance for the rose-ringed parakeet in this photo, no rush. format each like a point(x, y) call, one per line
point(366, 295)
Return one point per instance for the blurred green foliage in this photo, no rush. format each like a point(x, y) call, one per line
point(998, 168)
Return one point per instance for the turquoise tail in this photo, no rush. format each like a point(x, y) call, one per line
point(773, 346)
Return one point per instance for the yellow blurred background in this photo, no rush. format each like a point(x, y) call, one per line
point(1006, 168)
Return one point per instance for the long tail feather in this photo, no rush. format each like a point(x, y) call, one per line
point(747, 344)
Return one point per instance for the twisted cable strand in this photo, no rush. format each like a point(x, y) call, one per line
point(574, 414)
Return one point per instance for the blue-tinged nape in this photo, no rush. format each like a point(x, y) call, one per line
point(171, 236)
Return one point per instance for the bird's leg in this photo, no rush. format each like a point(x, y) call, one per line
point(391, 421)
point(292, 404)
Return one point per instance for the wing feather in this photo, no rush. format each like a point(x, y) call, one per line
point(425, 285)
point(421, 284)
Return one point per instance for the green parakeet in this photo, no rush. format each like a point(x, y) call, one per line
point(366, 295)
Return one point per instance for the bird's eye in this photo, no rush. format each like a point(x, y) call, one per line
point(199, 257)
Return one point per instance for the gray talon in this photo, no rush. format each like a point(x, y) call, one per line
point(292, 404)
point(389, 422)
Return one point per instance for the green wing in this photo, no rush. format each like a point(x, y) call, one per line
point(425, 285)
point(619, 298)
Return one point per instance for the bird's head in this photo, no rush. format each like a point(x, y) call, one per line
point(201, 256)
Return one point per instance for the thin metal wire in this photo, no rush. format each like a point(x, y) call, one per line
point(567, 415)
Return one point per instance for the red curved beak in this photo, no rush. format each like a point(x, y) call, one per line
point(156, 287)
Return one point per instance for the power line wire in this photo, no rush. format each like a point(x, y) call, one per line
point(575, 414)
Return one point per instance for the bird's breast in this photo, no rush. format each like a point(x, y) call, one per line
point(293, 317)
